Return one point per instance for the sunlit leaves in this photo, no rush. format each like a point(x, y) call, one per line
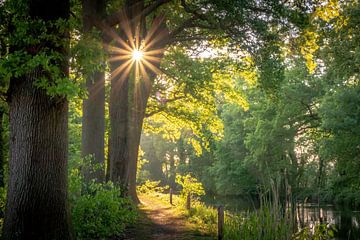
point(328, 10)
point(308, 48)
point(188, 95)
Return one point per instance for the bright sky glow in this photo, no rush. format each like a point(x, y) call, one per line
point(137, 55)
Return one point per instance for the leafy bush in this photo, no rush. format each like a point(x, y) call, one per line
point(190, 185)
point(151, 187)
point(98, 210)
point(203, 216)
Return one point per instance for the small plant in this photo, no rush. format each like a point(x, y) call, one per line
point(203, 216)
point(316, 232)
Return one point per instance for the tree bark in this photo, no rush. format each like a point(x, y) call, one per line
point(139, 97)
point(93, 121)
point(128, 101)
point(36, 205)
point(118, 140)
point(2, 150)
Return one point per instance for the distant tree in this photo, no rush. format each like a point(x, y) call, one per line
point(93, 120)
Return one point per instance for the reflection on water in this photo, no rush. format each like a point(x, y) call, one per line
point(345, 221)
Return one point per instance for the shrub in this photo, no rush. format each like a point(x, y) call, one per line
point(98, 210)
point(203, 216)
point(151, 187)
point(190, 185)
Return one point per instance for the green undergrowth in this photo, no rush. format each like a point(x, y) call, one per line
point(262, 224)
point(98, 210)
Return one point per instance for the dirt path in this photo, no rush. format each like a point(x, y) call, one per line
point(160, 221)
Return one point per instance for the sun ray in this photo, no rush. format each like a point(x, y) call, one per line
point(128, 32)
point(118, 58)
point(145, 75)
point(118, 70)
point(155, 25)
point(153, 52)
point(117, 50)
point(159, 37)
point(150, 66)
point(139, 56)
point(152, 58)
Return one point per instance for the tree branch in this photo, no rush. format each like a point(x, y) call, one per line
point(116, 17)
point(151, 8)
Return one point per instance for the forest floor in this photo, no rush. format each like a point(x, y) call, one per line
point(160, 220)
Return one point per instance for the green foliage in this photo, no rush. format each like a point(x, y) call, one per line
point(203, 216)
point(2, 206)
point(317, 232)
point(263, 224)
point(98, 210)
point(190, 185)
point(28, 37)
point(149, 187)
point(232, 175)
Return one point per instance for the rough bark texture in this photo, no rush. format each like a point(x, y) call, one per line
point(37, 192)
point(137, 109)
point(36, 206)
point(118, 141)
point(2, 157)
point(93, 121)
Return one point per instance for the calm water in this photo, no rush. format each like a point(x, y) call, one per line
point(345, 221)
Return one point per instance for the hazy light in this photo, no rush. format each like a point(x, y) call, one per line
point(137, 55)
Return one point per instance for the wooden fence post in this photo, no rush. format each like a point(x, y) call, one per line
point(220, 222)
point(171, 193)
point(188, 201)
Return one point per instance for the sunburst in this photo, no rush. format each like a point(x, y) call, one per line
point(137, 55)
point(134, 52)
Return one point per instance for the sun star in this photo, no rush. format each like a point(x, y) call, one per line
point(137, 55)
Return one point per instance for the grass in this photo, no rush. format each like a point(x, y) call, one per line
point(200, 219)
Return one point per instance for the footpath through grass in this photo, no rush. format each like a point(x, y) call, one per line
point(160, 220)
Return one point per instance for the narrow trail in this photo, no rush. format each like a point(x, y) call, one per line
point(160, 221)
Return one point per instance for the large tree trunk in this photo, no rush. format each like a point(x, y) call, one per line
point(138, 102)
point(36, 206)
point(37, 192)
point(118, 141)
point(2, 157)
point(128, 100)
point(123, 138)
point(93, 121)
